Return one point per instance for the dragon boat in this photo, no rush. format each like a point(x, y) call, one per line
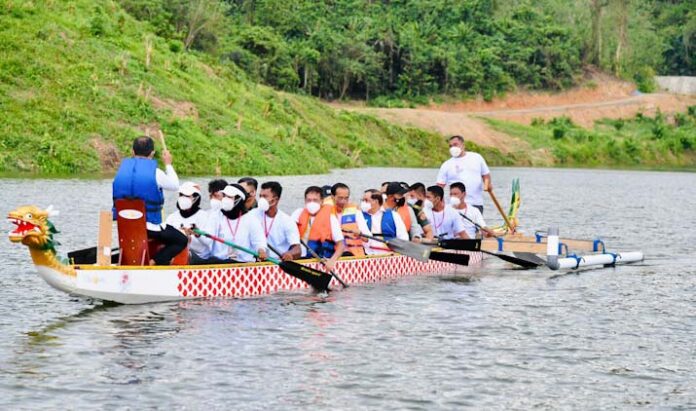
point(146, 284)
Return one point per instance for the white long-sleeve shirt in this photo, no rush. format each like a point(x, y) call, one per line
point(200, 220)
point(245, 231)
point(377, 247)
point(168, 181)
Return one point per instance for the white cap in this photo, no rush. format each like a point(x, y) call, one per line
point(232, 191)
point(188, 189)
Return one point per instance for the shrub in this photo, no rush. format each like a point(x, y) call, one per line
point(645, 79)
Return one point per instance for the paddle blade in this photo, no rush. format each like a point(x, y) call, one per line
point(453, 258)
point(514, 260)
point(460, 244)
point(418, 251)
point(318, 280)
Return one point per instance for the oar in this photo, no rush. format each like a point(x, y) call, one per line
point(500, 210)
point(315, 278)
point(460, 244)
point(323, 262)
point(161, 137)
point(453, 258)
point(510, 259)
point(418, 251)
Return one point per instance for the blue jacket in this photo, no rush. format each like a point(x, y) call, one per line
point(388, 225)
point(136, 179)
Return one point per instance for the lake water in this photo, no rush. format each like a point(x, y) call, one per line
point(619, 338)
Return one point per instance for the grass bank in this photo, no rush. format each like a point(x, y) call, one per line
point(80, 79)
point(658, 142)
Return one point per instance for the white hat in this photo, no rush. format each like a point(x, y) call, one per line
point(232, 191)
point(188, 189)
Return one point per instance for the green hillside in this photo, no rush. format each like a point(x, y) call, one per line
point(80, 79)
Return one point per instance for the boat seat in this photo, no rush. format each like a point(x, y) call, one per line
point(136, 248)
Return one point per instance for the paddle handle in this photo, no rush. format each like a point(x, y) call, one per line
point(161, 137)
point(233, 245)
point(500, 210)
point(477, 226)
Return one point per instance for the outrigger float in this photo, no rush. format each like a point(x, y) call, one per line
point(105, 279)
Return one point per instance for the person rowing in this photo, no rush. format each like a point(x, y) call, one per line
point(319, 228)
point(350, 218)
point(396, 200)
point(138, 177)
point(466, 167)
point(190, 215)
point(447, 223)
point(473, 215)
point(380, 220)
point(250, 186)
point(233, 225)
point(280, 230)
point(414, 198)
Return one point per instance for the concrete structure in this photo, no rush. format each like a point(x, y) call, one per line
point(677, 84)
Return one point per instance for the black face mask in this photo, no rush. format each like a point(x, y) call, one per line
point(400, 202)
point(419, 203)
point(194, 207)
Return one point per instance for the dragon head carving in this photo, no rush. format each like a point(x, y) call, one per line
point(32, 227)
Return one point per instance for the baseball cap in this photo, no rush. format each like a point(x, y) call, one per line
point(396, 188)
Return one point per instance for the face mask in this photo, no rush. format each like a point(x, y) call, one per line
point(455, 151)
point(455, 201)
point(365, 206)
point(263, 204)
point(313, 207)
point(384, 197)
point(427, 204)
point(228, 204)
point(215, 204)
point(400, 202)
point(412, 201)
point(184, 203)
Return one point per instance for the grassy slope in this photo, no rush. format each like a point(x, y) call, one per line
point(642, 142)
point(73, 84)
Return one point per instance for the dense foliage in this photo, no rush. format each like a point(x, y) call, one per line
point(372, 49)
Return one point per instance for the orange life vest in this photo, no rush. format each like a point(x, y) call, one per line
point(318, 234)
point(405, 216)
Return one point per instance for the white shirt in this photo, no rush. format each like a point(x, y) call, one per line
point(245, 231)
point(280, 231)
point(359, 220)
point(377, 247)
point(199, 219)
point(446, 223)
point(167, 181)
point(336, 232)
point(468, 170)
point(473, 214)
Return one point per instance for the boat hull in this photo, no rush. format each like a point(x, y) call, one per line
point(139, 285)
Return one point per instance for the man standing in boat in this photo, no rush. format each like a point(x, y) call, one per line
point(466, 167)
point(138, 177)
point(280, 230)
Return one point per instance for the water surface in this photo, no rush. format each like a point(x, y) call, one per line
point(621, 338)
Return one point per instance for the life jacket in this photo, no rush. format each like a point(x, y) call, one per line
point(136, 179)
point(388, 226)
point(405, 216)
point(317, 234)
point(349, 223)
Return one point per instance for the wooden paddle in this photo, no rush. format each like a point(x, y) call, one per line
point(526, 263)
point(323, 262)
point(161, 137)
point(318, 280)
point(500, 210)
point(418, 251)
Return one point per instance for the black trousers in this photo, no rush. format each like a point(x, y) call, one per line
point(194, 259)
point(174, 241)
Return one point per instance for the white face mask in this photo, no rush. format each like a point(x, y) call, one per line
point(263, 204)
point(455, 151)
point(365, 206)
point(185, 203)
point(384, 197)
point(215, 204)
point(427, 204)
point(455, 201)
point(313, 207)
point(228, 204)
point(411, 201)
